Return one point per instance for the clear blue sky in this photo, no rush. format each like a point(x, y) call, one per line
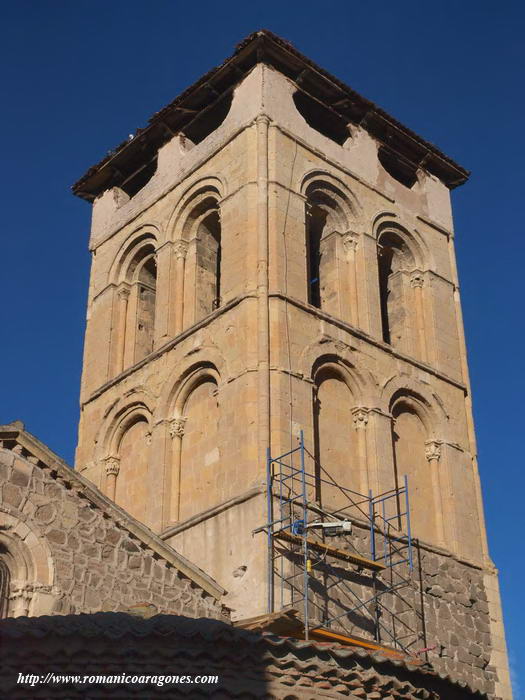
point(78, 77)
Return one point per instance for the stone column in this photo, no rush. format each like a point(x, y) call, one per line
point(180, 250)
point(123, 296)
point(162, 294)
point(112, 470)
point(176, 431)
point(416, 282)
point(331, 274)
point(433, 455)
point(360, 416)
point(350, 298)
point(131, 325)
point(368, 287)
point(20, 598)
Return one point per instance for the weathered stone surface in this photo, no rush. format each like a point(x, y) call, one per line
point(46, 513)
point(56, 536)
point(11, 495)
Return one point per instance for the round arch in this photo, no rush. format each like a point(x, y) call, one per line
point(29, 562)
point(385, 224)
point(145, 237)
point(188, 382)
point(178, 384)
point(121, 415)
point(326, 187)
point(360, 380)
point(428, 406)
point(193, 197)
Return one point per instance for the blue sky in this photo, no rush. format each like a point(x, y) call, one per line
point(78, 77)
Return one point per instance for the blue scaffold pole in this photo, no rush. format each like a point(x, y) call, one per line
point(305, 543)
point(372, 532)
point(409, 533)
point(269, 528)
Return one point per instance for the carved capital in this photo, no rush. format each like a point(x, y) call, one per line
point(262, 119)
point(123, 293)
point(112, 466)
point(360, 416)
point(176, 428)
point(433, 450)
point(350, 242)
point(180, 248)
point(416, 279)
point(21, 595)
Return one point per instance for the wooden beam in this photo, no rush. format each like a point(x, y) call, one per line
point(357, 559)
point(326, 635)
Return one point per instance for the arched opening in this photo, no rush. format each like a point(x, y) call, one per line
point(204, 267)
point(334, 438)
point(209, 259)
point(400, 169)
point(315, 223)
point(143, 279)
point(321, 118)
point(200, 477)
point(394, 261)
point(131, 488)
point(408, 440)
point(209, 119)
point(17, 575)
point(326, 220)
point(139, 178)
point(5, 589)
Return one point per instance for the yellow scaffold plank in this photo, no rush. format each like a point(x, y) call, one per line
point(341, 554)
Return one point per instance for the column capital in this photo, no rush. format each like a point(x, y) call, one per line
point(416, 279)
point(112, 466)
point(176, 427)
point(123, 293)
point(262, 119)
point(180, 248)
point(433, 450)
point(360, 416)
point(21, 595)
point(350, 242)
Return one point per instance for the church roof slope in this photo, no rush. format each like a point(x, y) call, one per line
point(14, 437)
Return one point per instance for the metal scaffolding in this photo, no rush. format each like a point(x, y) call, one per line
point(374, 595)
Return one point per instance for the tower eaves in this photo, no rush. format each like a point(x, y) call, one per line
point(265, 47)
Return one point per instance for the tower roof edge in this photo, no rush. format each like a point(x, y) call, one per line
point(263, 46)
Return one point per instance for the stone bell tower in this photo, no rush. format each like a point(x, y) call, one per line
point(273, 252)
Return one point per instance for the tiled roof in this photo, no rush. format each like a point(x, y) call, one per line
point(220, 648)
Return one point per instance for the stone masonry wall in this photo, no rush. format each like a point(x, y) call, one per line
point(93, 562)
point(442, 606)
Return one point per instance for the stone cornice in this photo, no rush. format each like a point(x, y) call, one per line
point(358, 333)
point(166, 347)
point(176, 528)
